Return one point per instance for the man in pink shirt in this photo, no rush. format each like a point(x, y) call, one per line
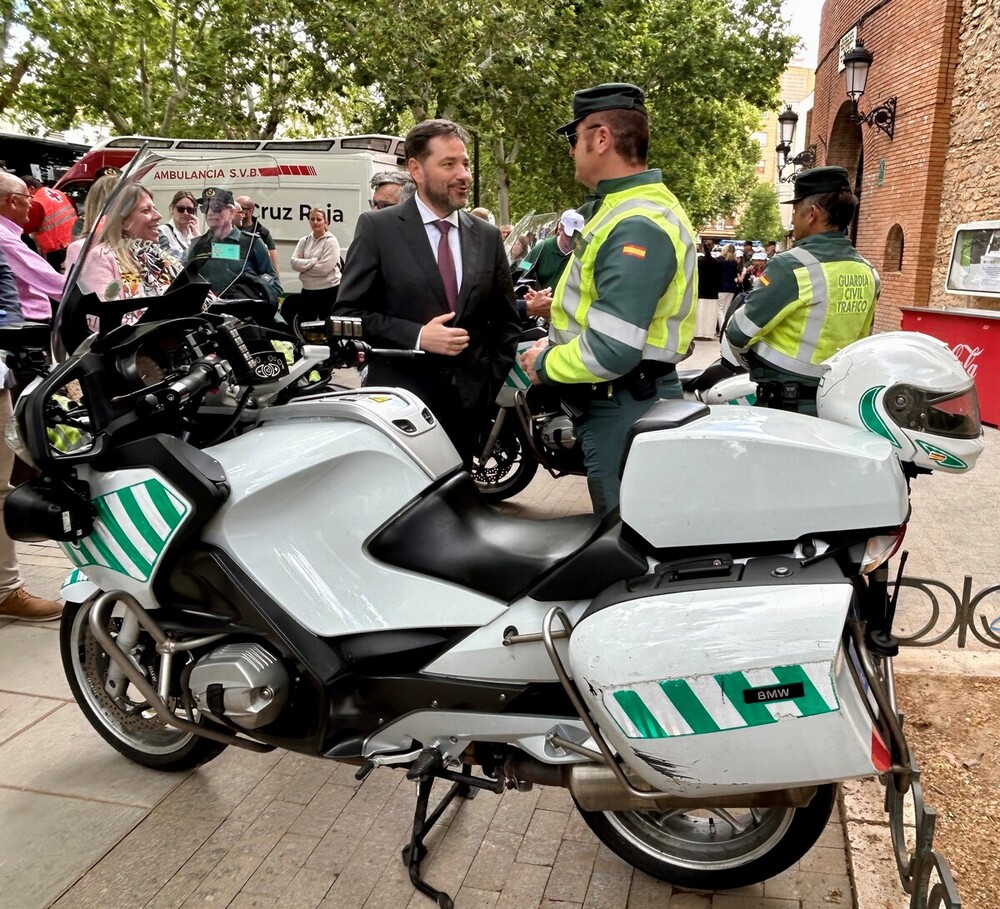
point(37, 282)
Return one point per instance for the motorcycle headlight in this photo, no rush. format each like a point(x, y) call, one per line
point(15, 441)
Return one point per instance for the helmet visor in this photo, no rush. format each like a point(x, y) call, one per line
point(954, 415)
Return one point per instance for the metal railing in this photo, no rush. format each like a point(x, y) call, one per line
point(917, 867)
point(962, 614)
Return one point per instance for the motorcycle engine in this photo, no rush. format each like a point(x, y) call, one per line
point(557, 432)
point(245, 683)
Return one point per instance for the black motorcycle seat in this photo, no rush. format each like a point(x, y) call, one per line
point(452, 533)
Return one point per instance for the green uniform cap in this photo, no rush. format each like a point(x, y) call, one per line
point(610, 96)
point(817, 181)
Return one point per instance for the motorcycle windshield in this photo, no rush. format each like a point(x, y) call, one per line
point(186, 224)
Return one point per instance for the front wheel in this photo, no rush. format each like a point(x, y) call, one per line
point(126, 721)
point(716, 848)
point(510, 467)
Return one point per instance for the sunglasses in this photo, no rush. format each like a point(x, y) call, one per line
point(380, 204)
point(215, 207)
point(572, 137)
point(248, 207)
point(185, 209)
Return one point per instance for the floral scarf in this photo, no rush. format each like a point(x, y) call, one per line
point(157, 268)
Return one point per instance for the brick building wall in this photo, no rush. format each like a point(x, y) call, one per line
point(915, 46)
point(971, 185)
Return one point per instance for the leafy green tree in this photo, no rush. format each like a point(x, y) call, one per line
point(505, 70)
point(761, 220)
point(223, 68)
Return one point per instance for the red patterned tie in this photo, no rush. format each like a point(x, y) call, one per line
point(446, 264)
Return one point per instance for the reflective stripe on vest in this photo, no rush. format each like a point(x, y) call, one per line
point(669, 334)
point(56, 230)
point(834, 308)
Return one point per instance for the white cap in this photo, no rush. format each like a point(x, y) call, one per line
point(571, 221)
point(759, 257)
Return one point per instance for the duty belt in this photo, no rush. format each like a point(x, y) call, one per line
point(643, 377)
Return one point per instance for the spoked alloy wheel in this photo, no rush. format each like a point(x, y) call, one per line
point(510, 467)
point(717, 848)
point(127, 722)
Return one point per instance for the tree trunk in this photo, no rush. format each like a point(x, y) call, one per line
point(19, 71)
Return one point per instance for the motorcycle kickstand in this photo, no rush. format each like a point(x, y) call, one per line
point(464, 785)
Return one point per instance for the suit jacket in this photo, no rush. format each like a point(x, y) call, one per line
point(391, 281)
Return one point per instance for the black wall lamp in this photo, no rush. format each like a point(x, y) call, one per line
point(787, 121)
point(857, 61)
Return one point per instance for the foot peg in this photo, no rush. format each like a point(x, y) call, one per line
point(427, 765)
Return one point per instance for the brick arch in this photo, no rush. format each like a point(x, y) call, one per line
point(845, 146)
point(893, 259)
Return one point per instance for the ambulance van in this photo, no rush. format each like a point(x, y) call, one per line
point(285, 177)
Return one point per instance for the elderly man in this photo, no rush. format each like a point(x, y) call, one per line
point(37, 282)
point(234, 262)
point(247, 222)
point(390, 187)
point(15, 601)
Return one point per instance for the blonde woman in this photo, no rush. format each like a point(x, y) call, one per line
point(317, 260)
point(97, 196)
point(128, 261)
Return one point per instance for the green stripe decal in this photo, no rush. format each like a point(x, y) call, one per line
point(164, 503)
point(139, 520)
point(640, 716)
point(811, 703)
point(101, 548)
point(133, 527)
point(733, 685)
point(689, 707)
point(121, 537)
point(716, 703)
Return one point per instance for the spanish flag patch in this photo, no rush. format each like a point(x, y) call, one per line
point(764, 280)
point(631, 250)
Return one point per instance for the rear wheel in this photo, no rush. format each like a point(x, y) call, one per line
point(510, 467)
point(717, 848)
point(126, 721)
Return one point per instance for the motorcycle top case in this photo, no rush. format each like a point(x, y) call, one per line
point(705, 692)
point(746, 474)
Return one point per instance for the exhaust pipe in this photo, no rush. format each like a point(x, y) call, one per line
point(596, 788)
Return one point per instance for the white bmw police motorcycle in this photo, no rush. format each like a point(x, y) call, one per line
point(265, 563)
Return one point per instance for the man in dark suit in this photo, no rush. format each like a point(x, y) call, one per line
point(424, 275)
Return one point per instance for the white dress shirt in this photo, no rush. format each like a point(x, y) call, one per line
point(434, 235)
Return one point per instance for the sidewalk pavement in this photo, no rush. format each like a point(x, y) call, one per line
point(80, 826)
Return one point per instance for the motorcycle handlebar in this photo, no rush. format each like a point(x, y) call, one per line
point(202, 376)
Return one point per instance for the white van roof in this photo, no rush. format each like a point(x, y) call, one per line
point(376, 143)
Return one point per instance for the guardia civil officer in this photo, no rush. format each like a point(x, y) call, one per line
point(811, 301)
point(623, 310)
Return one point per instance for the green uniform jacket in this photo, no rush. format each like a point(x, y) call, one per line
point(629, 291)
point(812, 300)
point(546, 262)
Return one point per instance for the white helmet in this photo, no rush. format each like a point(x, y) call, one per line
point(911, 389)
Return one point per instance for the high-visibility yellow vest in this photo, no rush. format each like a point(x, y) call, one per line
point(810, 334)
point(669, 335)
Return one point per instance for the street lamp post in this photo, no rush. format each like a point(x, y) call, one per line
point(787, 121)
point(857, 62)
